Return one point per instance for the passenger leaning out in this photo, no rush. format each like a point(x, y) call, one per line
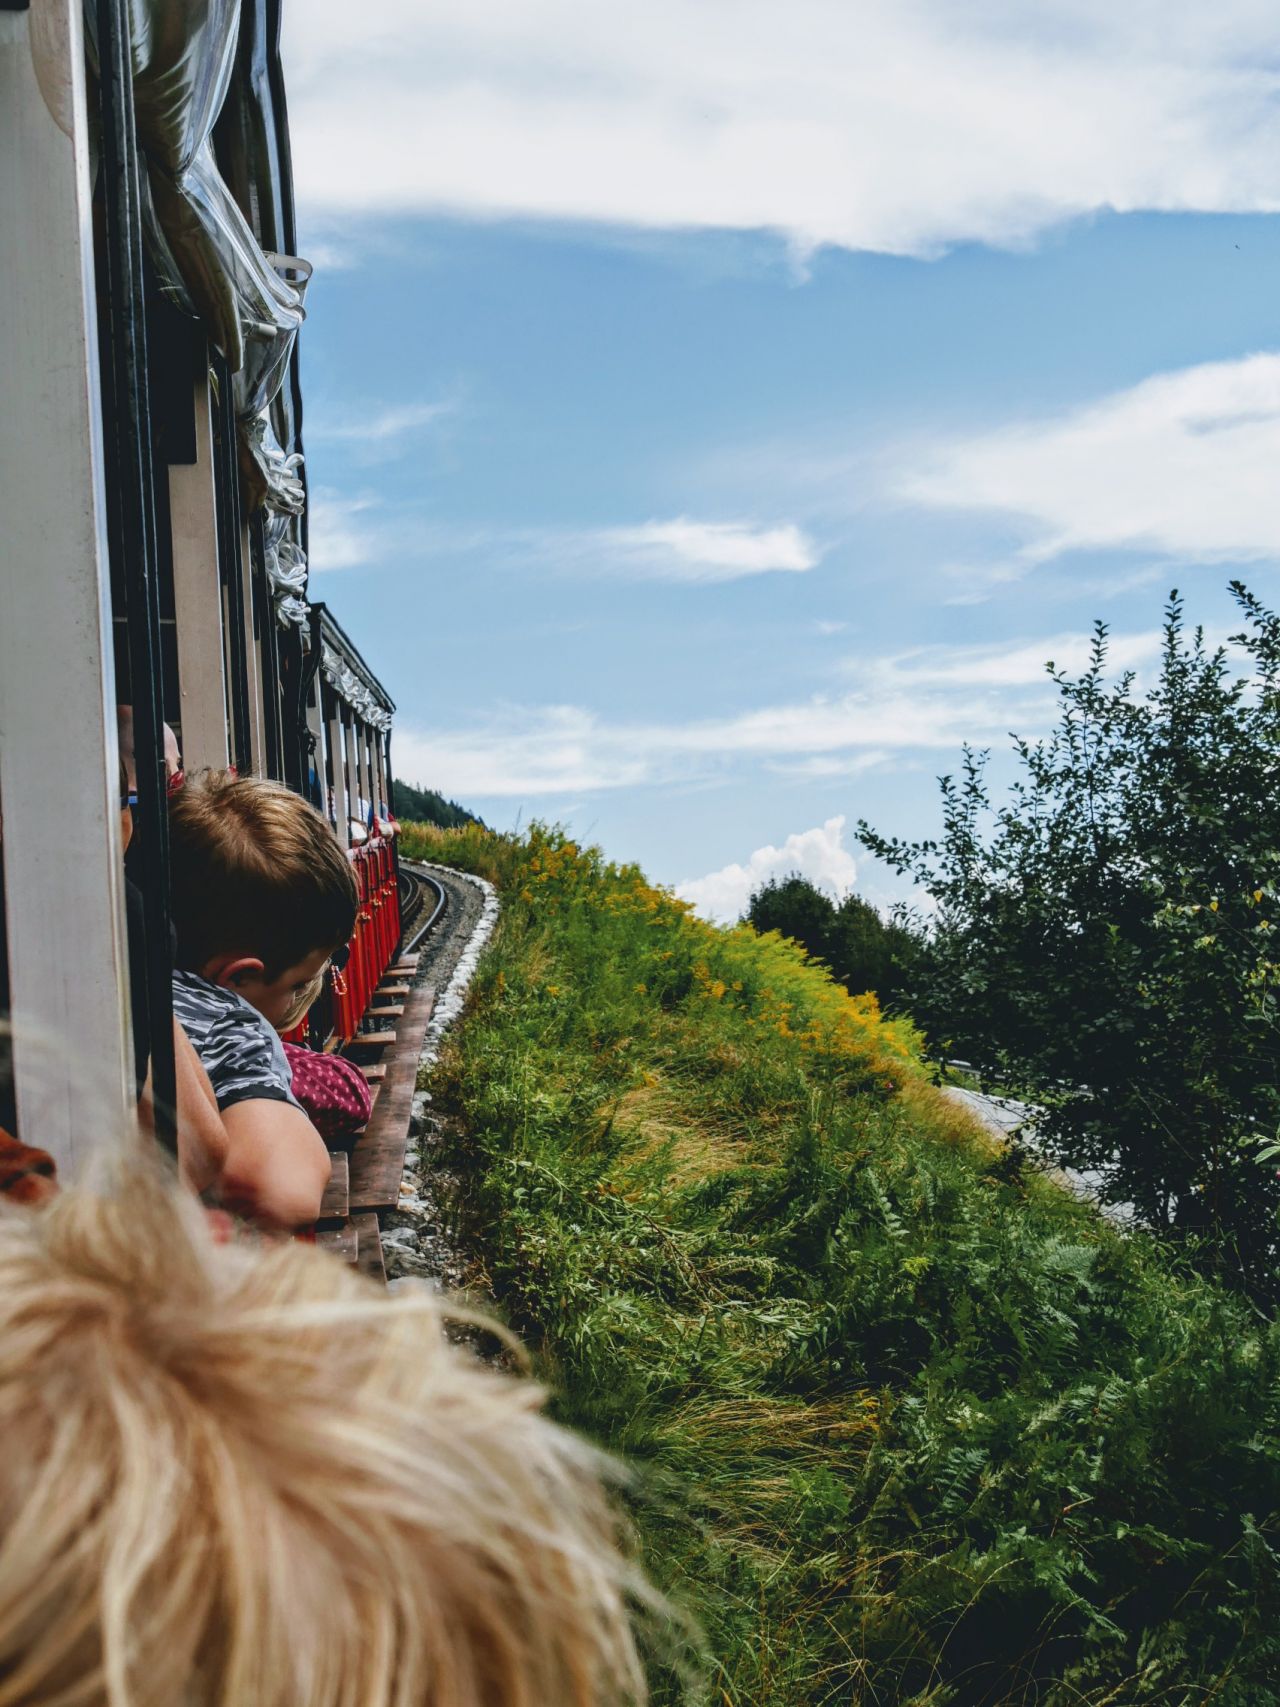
point(202, 1141)
point(262, 898)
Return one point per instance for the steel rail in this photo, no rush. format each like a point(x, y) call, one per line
point(437, 912)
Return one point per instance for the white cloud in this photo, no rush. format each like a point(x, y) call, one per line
point(330, 255)
point(929, 701)
point(1183, 465)
point(357, 530)
point(523, 752)
point(922, 703)
point(1017, 664)
point(823, 766)
point(894, 125)
point(339, 539)
point(682, 550)
point(686, 550)
point(819, 855)
point(380, 426)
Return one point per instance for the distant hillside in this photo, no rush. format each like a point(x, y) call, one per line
point(425, 806)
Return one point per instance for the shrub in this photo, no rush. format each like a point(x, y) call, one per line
point(1104, 938)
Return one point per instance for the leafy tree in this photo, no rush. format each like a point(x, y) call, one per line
point(868, 952)
point(862, 951)
point(794, 908)
point(1104, 938)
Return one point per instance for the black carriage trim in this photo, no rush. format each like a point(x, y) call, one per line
point(199, 254)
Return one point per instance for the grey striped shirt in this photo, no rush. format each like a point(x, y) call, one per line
point(239, 1049)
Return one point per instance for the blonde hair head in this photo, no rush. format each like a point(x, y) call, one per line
point(239, 1476)
point(300, 1007)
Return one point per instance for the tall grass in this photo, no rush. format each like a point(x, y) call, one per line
point(915, 1426)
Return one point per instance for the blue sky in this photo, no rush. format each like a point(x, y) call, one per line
point(700, 497)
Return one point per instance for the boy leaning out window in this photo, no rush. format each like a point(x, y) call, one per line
point(263, 896)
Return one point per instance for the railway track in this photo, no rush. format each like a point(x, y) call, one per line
point(367, 1182)
point(423, 903)
point(421, 1233)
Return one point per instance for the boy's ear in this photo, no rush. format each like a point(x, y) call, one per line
point(231, 970)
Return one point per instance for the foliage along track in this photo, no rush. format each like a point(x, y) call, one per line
point(912, 1424)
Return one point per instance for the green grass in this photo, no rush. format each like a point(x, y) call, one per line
point(912, 1425)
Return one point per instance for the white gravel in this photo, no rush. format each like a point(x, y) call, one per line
point(417, 1242)
point(450, 1000)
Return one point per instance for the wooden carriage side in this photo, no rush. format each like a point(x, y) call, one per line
point(154, 493)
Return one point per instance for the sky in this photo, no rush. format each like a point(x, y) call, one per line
point(718, 412)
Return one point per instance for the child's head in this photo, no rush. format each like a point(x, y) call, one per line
point(238, 1474)
point(262, 893)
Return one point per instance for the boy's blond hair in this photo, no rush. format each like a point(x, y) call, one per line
point(255, 870)
point(240, 1477)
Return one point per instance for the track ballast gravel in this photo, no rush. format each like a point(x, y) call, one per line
point(420, 1239)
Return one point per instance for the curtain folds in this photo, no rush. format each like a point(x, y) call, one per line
point(218, 220)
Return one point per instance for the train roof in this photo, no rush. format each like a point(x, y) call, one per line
point(345, 669)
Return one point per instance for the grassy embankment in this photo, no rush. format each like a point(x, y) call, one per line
point(917, 1427)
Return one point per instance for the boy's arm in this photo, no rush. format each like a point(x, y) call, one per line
point(203, 1143)
point(202, 1136)
point(277, 1166)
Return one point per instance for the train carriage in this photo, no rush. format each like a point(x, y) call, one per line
point(153, 487)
